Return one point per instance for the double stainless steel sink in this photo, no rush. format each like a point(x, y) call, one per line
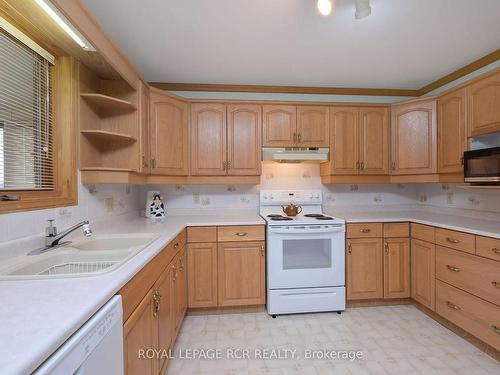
point(88, 257)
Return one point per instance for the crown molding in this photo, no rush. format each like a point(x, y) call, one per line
point(270, 89)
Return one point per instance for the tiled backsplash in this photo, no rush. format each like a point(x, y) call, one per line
point(99, 202)
point(103, 202)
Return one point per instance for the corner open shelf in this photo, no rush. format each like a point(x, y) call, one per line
point(107, 105)
point(103, 135)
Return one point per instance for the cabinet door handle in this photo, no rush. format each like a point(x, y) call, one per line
point(495, 250)
point(144, 162)
point(365, 230)
point(294, 137)
point(496, 284)
point(181, 264)
point(357, 165)
point(386, 246)
point(174, 273)
point(362, 165)
point(393, 165)
point(262, 250)
point(228, 165)
point(349, 248)
point(452, 268)
point(176, 245)
point(156, 303)
point(452, 306)
point(299, 138)
point(452, 240)
point(153, 163)
point(241, 234)
point(496, 328)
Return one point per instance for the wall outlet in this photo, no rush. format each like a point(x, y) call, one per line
point(422, 198)
point(449, 198)
point(354, 188)
point(377, 198)
point(109, 203)
point(196, 198)
point(205, 201)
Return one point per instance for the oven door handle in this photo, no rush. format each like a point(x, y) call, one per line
point(305, 230)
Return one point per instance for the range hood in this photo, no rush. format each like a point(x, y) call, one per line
point(295, 154)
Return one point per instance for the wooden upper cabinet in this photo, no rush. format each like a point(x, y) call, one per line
point(483, 105)
point(396, 268)
point(144, 110)
point(452, 138)
point(241, 273)
point(208, 139)
point(414, 138)
point(364, 268)
point(312, 126)
point(244, 139)
point(279, 125)
point(374, 141)
point(169, 135)
point(344, 140)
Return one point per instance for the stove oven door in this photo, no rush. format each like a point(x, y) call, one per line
point(305, 256)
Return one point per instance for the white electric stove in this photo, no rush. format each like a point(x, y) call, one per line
point(305, 254)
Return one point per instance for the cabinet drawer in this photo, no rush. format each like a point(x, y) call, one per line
point(471, 273)
point(179, 241)
point(478, 317)
point(241, 233)
point(364, 230)
point(488, 247)
point(423, 232)
point(396, 229)
point(201, 234)
point(456, 240)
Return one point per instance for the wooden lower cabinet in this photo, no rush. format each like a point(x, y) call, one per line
point(139, 334)
point(364, 268)
point(156, 321)
point(423, 272)
point(164, 302)
point(202, 274)
point(396, 268)
point(241, 273)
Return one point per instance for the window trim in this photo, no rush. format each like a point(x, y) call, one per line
point(65, 122)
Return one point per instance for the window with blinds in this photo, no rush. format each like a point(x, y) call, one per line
point(26, 127)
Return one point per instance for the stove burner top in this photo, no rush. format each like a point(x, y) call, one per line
point(275, 215)
point(280, 218)
point(313, 215)
point(324, 218)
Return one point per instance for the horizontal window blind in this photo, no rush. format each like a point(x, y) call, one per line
point(26, 126)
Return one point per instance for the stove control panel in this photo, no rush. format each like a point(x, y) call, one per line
point(278, 197)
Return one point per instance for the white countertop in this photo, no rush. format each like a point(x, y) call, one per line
point(435, 217)
point(37, 316)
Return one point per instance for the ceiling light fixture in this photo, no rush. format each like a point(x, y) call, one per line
point(56, 15)
point(325, 7)
point(363, 9)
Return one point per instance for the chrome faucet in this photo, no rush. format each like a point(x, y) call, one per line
point(52, 239)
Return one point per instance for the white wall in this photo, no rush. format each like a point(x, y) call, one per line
point(91, 205)
point(455, 196)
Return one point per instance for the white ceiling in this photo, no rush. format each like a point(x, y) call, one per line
point(403, 44)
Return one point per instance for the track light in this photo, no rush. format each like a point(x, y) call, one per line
point(325, 7)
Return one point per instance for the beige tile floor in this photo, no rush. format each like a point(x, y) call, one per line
point(393, 340)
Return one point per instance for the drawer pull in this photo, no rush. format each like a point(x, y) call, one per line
point(495, 250)
point(495, 283)
point(452, 240)
point(452, 306)
point(451, 268)
point(496, 329)
point(241, 234)
point(365, 230)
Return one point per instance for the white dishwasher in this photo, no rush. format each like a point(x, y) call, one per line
point(96, 348)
